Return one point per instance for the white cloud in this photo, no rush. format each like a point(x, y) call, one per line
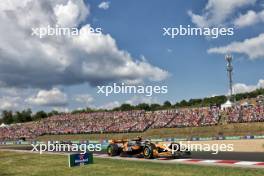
point(84, 98)
point(12, 98)
point(12, 91)
point(242, 88)
point(61, 109)
point(133, 82)
point(247, 19)
point(53, 97)
point(213, 95)
point(198, 20)
point(253, 47)
point(250, 18)
point(104, 5)
point(9, 103)
point(135, 100)
point(110, 105)
point(117, 64)
point(70, 14)
point(216, 12)
point(28, 61)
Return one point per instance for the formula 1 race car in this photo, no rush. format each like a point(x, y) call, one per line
point(145, 149)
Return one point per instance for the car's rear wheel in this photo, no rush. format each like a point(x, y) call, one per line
point(113, 150)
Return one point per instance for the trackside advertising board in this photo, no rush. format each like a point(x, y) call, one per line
point(80, 159)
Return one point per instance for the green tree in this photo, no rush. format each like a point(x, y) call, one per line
point(39, 115)
point(24, 116)
point(126, 107)
point(52, 113)
point(143, 106)
point(7, 117)
point(154, 107)
point(167, 104)
point(183, 103)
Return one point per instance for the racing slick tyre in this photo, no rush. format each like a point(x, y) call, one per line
point(148, 151)
point(113, 150)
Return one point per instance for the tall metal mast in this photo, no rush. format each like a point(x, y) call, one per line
point(229, 69)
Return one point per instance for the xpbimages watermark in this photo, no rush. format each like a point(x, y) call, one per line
point(173, 32)
point(50, 147)
point(198, 147)
point(131, 89)
point(60, 31)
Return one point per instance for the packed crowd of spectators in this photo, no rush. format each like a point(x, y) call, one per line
point(131, 121)
point(242, 114)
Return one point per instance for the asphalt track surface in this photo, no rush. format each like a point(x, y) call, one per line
point(239, 156)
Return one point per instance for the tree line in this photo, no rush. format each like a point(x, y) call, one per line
point(9, 117)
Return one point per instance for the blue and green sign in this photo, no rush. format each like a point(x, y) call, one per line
point(80, 159)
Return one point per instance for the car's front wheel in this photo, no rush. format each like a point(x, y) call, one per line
point(148, 151)
point(113, 150)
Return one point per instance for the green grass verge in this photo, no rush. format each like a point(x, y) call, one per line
point(25, 164)
point(240, 129)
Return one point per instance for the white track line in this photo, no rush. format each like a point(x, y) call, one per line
point(253, 164)
point(209, 161)
point(247, 163)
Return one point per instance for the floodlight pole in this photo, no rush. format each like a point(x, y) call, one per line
point(229, 69)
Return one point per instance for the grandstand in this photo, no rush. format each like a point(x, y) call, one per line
point(132, 121)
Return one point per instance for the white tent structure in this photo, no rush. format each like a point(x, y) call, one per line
point(3, 125)
point(227, 104)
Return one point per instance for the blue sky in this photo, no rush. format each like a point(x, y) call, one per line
point(193, 72)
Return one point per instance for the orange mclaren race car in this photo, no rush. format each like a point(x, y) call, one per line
point(145, 149)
